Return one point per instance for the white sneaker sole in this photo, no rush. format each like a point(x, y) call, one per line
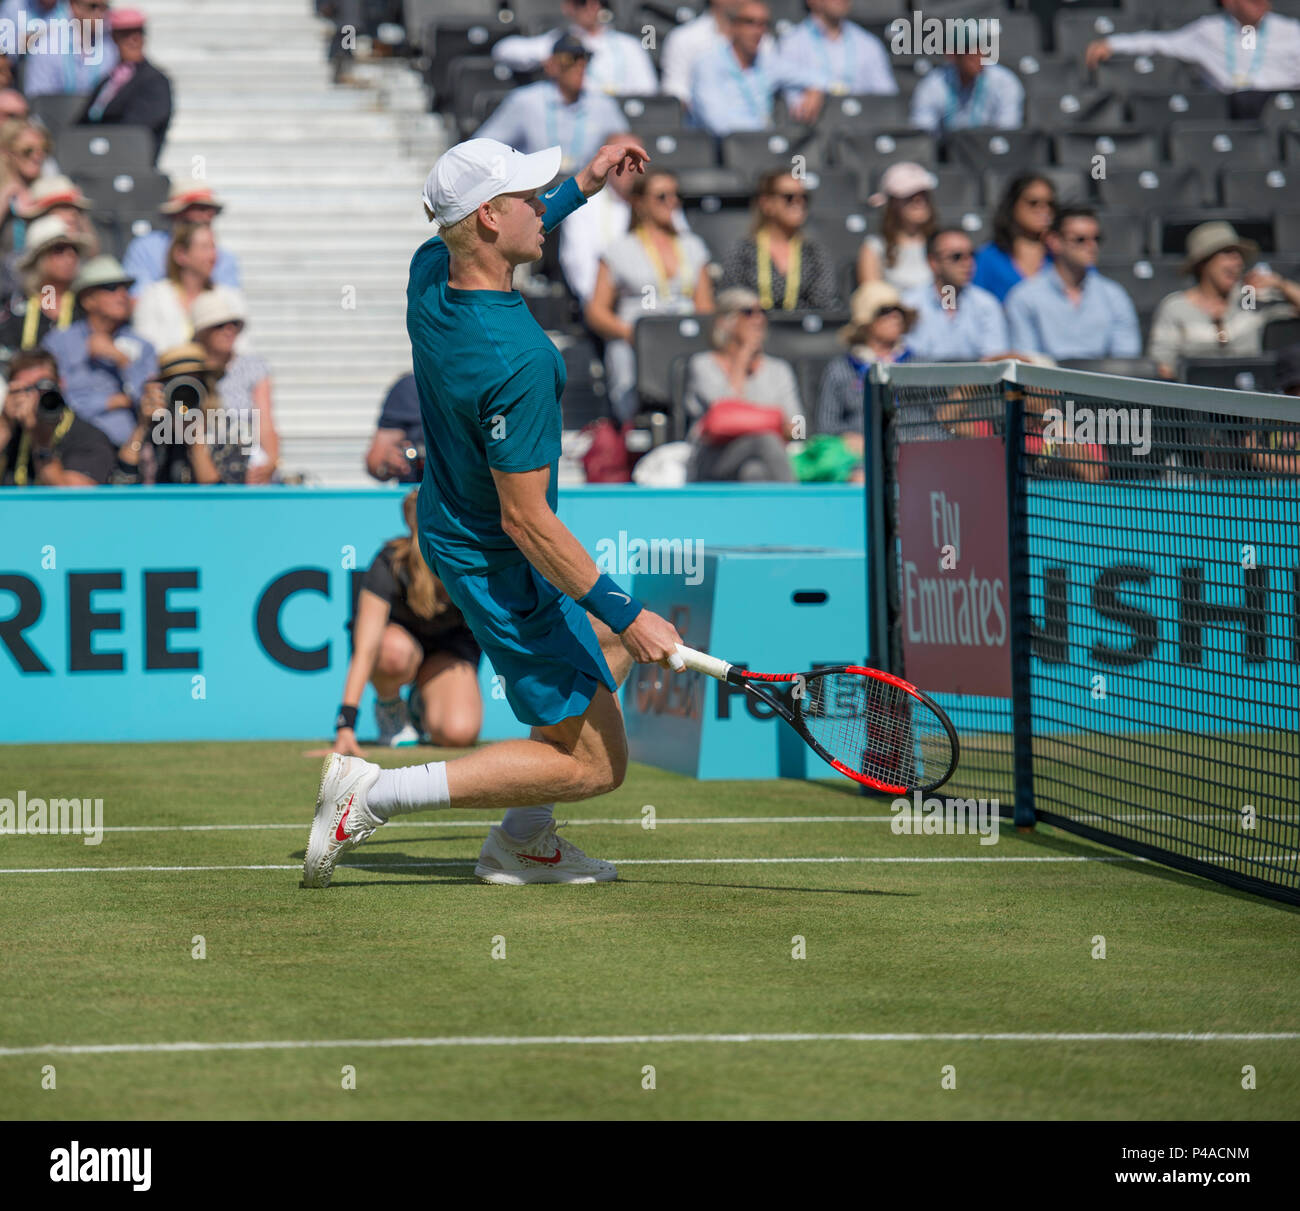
point(515, 879)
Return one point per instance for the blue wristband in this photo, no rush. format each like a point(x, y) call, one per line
point(610, 604)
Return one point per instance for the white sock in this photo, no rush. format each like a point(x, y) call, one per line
point(413, 788)
point(524, 822)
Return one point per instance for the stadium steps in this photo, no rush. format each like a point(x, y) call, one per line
point(322, 184)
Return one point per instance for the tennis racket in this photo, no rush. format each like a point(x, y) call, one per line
point(873, 727)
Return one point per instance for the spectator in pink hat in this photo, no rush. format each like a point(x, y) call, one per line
point(190, 202)
point(135, 92)
point(897, 254)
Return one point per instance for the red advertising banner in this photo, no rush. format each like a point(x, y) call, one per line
point(955, 590)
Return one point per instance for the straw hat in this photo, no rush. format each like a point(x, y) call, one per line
point(45, 232)
point(189, 194)
point(189, 358)
point(53, 191)
point(219, 305)
point(1217, 236)
point(868, 302)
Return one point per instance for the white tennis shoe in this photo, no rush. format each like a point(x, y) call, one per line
point(342, 820)
point(394, 722)
point(544, 858)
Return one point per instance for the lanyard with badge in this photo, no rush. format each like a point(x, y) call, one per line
point(577, 144)
point(666, 292)
point(1230, 37)
point(794, 272)
point(977, 99)
point(757, 107)
point(837, 83)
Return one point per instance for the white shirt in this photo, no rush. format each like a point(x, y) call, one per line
point(683, 46)
point(586, 234)
point(619, 64)
point(1214, 43)
point(854, 62)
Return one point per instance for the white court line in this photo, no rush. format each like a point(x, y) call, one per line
point(616, 1040)
point(90, 870)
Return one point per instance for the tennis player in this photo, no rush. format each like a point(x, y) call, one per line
point(560, 634)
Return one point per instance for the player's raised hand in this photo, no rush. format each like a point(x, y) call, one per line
point(622, 154)
point(651, 639)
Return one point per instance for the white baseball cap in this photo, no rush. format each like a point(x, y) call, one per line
point(478, 170)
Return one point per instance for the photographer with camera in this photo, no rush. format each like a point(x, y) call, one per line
point(42, 441)
point(397, 450)
point(103, 361)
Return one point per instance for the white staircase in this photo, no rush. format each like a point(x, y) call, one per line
point(322, 189)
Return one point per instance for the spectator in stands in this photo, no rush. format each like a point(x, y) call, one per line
point(397, 449)
point(968, 93)
point(1069, 311)
point(619, 64)
point(1277, 451)
point(738, 370)
point(24, 147)
point(653, 269)
point(1211, 318)
point(242, 381)
point(788, 271)
point(1249, 67)
point(839, 55)
point(103, 361)
point(557, 111)
point(589, 231)
point(406, 631)
point(60, 451)
point(162, 311)
point(733, 83)
point(135, 92)
point(685, 44)
point(898, 254)
point(1018, 248)
point(956, 320)
point(146, 255)
point(13, 105)
point(50, 263)
point(58, 196)
point(70, 66)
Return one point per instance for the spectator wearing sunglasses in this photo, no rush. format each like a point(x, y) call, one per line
point(70, 66)
point(242, 380)
point(24, 148)
point(956, 320)
point(733, 84)
point(654, 269)
point(557, 111)
point(1069, 311)
point(787, 270)
point(968, 92)
point(619, 64)
point(898, 254)
point(49, 263)
point(1018, 248)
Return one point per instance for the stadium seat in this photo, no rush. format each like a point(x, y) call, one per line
point(1075, 28)
point(1128, 367)
point(975, 224)
point(1286, 230)
point(553, 310)
point(1281, 334)
point(790, 12)
point(655, 111)
point(1071, 184)
point(958, 190)
point(1147, 281)
point(56, 111)
point(1120, 149)
point(865, 150)
point(468, 79)
point(681, 149)
point(1124, 234)
point(981, 148)
point(105, 150)
point(1291, 145)
point(1160, 185)
point(711, 187)
point(834, 189)
point(1141, 74)
point(808, 373)
point(127, 196)
point(1155, 111)
point(1228, 144)
point(1172, 14)
point(1281, 111)
point(486, 102)
point(535, 16)
point(1259, 190)
point(658, 339)
point(721, 228)
point(1170, 228)
point(585, 397)
point(448, 39)
point(852, 113)
point(795, 334)
point(757, 152)
point(1234, 373)
point(841, 234)
point(419, 15)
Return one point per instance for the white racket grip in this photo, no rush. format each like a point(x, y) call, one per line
point(702, 663)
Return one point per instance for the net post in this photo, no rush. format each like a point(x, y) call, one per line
point(1020, 633)
point(873, 438)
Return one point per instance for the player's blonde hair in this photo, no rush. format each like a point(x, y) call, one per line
point(459, 236)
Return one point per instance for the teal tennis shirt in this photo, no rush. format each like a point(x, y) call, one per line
point(490, 383)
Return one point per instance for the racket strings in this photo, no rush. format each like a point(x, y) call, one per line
point(876, 729)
